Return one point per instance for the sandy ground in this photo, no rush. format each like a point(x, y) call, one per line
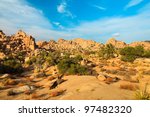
point(77, 88)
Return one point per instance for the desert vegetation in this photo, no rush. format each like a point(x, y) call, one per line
point(68, 69)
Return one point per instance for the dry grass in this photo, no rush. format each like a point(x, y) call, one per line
point(131, 87)
point(142, 94)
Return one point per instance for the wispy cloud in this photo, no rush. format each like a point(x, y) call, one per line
point(63, 9)
point(133, 3)
point(59, 25)
point(18, 14)
point(99, 7)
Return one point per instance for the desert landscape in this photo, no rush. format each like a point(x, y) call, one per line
point(76, 69)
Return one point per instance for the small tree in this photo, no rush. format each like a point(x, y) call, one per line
point(108, 51)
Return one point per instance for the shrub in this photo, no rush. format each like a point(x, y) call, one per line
point(107, 52)
point(146, 54)
point(44, 58)
point(129, 54)
point(127, 51)
point(71, 66)
point(139, 51)
point(31, 61)
point(129, 58)
point(142, 94)
point(10, 65)
point(21, 56)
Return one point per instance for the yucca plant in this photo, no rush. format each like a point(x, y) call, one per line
point(142, 94)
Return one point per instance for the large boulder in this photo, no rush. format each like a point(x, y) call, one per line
point(101, 77)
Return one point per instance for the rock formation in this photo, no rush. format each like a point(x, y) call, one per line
point(145, 44)
point(29, 41)
point(2, 35)
point(79, 45)
point(16, 43)
point(116, 43)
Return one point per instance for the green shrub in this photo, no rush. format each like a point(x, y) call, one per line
point(129, 54)
point(31, 60)
point(10, 65)
point(107, 52)
point(129, 58)
point(139, 51)
point(146, 54)
point(126, 51)
point(71, 66)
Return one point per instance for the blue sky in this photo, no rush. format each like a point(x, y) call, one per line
point(99, 20)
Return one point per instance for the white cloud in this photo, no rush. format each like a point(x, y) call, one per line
point(99, 7)
point(17, 14)
point(117, 34)
point(63, 9)
point(133, 3)
point(59, 25)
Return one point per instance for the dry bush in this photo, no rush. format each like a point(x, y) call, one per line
point(131, 87)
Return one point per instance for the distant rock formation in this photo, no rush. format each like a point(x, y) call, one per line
point(16, 43)
point(23, 42)
point(145, 44)
point(88, 44)
point(79, 45)
point(116, 43)
point(2, 35)
point(29, 41)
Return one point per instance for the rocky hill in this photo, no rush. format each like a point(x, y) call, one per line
point(145, 44)
point(79, 45)
point(23, 42)
point(121, 44)
point(16, 43)
point(116, 43)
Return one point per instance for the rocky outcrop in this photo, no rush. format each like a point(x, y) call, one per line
point(16, 43)
point(79, 45)
point(145, 44)
point(28, 40)
point(40, 44)
point(87, 44)
point(2, 35)
point(116, 43)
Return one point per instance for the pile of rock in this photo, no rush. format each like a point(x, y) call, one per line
point(116, 43)
point(16, 43)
